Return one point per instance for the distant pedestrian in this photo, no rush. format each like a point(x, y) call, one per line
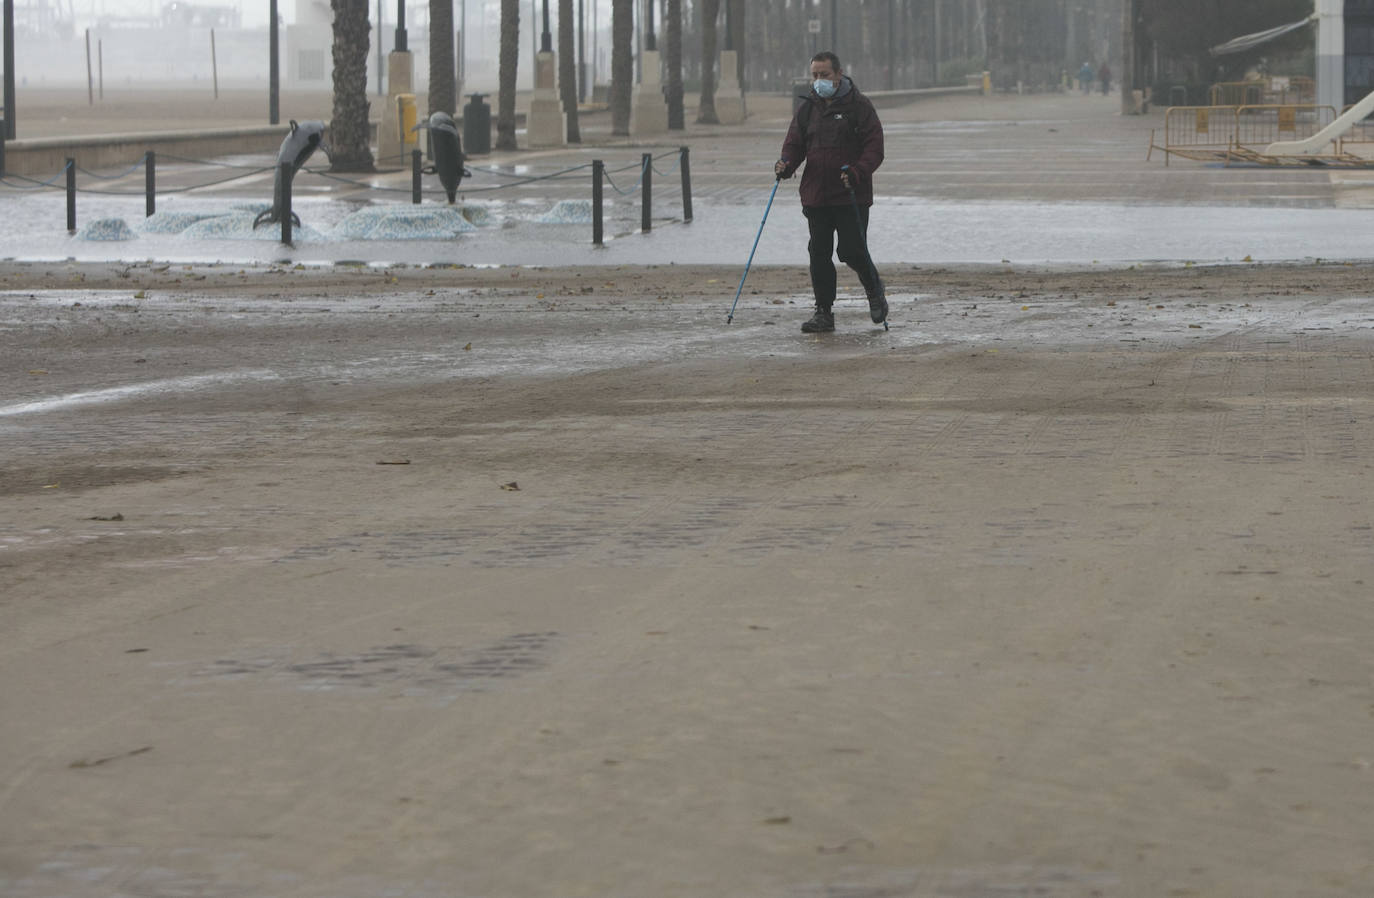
point(1104, 75)
point(837, 133)
point(1085, 77)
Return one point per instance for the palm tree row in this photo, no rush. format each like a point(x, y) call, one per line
point(884, 43)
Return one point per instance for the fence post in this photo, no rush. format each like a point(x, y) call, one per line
point(415, 156)
point(149, 184)
point(71, 195)
point(646, 213)
point(686, 185)
point(598, 171)
point(286, 172)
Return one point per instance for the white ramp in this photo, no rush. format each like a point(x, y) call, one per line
point(1326, 136)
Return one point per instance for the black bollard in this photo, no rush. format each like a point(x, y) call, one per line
point(149, 184)
point(646, 213)
point(287, 171)
point(598, 171)
point(71, 195)
point(415, 157)
point(686, 185)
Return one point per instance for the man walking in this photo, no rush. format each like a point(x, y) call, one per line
point(836, 132)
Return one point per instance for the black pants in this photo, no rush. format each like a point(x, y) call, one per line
point(825, 223)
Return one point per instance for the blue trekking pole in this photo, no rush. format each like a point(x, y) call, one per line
point(863, 232)
point(731, 317)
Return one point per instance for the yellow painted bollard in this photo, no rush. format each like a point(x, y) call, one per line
point(987, 84)
point(405, 114)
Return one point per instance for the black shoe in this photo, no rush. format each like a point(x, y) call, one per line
point(877, 304)
point(821, 322)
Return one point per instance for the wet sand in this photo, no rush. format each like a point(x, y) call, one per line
point(443, 581)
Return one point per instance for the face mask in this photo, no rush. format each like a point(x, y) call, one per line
point(824, 89)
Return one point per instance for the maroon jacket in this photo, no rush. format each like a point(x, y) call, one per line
point(827, 135)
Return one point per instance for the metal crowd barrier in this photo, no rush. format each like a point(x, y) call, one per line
point(1219, 133)
point(1197, 132)
point(1296, 90)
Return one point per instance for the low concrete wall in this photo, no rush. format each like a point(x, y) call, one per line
point(45, 157)
point(889, 98)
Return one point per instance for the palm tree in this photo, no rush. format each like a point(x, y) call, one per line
point(622, 65)
point(706, 112)
point(349, 135)
point(510, 59)
point(673, 23)
point(441, 87)
point(567, 68)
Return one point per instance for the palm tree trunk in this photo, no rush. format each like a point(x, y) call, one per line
point(622, 65)
point(349, 135)
point(510, 59)
point(706, 112)
point(441, 77)
point(567, 68)
point(677, 117)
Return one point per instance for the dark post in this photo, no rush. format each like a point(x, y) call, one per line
point(892, 44)
point(835, 27)
point(650, 39)
point(581, 50)
point(9, 69)
point(273, 67)
point(686, 184)
point(646, 212)
point(3, 129)
point(71, 195)
point(90, 78)
point(286, 173)
point(415, 176)
point(546, 39)
point(149, 184)
point(401, 46)
point(729, 25)
point(598, 171)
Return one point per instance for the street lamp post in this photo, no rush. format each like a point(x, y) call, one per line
point(9, 69)
point(546, 40)
point(892, 42)
point(650, 39)
point(834, 26)
point(401, 46)
point(273, 66)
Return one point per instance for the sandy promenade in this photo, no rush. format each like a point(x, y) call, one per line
point(1057, 591)
point(437, 582)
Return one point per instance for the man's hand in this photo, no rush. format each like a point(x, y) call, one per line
point(779, 167)
point(849, 178)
